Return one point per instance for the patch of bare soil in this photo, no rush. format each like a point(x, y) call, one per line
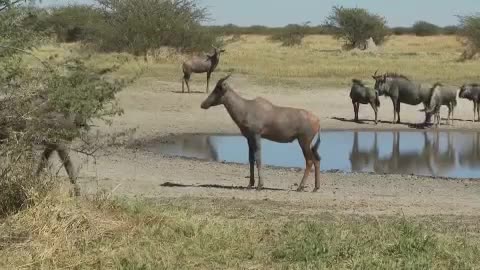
point(157, 109)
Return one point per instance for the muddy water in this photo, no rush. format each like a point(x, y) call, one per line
point(447, 154)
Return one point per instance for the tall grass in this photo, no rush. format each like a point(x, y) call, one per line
point(98, 233)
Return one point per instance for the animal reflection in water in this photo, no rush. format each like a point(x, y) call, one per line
point(471, 157)
point(430, 160)
point(199, 147)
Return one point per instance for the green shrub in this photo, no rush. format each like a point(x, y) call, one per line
point(138, 26)
point(75, 22)
point(423, 28)
point(356, 25)
point(291, 35)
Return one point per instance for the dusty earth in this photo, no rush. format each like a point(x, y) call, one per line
point(158, 109)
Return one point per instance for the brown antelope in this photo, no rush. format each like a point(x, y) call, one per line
point(200, 65)
point(258, 118)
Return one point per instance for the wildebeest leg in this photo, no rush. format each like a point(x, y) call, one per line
point(453, 109)
point(257, 141)
point(398, 112)
point(186, 79)
point(474, 110)
point(183, 84)
point(251, 159)
point(208, 79)
point(394, 102)
point(375, 110)
point(67, 163)
point(308, 154)
point(355, 118)
point(47, 152)
point(478, 111)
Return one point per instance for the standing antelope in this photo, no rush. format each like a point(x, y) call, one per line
point(258, 118)
point(200, 65)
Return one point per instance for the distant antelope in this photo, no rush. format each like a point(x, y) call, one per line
point(258, 118)
point(200, 65)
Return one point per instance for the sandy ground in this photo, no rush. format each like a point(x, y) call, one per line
point(157, 109)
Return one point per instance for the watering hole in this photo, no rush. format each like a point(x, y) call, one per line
point(452, 154)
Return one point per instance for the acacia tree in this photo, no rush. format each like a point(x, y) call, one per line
point(470, 33)
point(139, 26)
point(356, 25)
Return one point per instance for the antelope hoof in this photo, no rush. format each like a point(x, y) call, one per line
point(259, 188)
point(300, 189)
point(75, 192)
point(315, 189)
point(250, 187)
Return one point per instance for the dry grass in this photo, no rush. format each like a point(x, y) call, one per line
point(188, 233)
point(316, 63)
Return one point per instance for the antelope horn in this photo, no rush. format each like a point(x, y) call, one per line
point(375, 73)
point(228, 76)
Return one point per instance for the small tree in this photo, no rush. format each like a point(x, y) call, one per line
point(470, 31)
point(139, 26)
point(356, 25)
point(423, 28)
point(291, 35)
point(450, 30)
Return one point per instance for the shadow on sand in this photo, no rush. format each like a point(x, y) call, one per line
point(170, 184)
point(186, 92)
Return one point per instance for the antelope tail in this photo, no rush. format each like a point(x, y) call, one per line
point(377, 99)
point(316, 144)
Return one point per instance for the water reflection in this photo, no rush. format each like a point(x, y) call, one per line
point(449, 154)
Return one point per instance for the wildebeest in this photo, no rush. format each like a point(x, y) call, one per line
point(471, 92)
point(361, 94)
point(258, 118)
point(402, 90)
point(67, 124)
point(441, 95)
point(200, 65)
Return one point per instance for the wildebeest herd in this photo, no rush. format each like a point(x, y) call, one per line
point(259, 118)
point(401, 89)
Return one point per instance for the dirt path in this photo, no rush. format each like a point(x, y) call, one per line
point(157, 109)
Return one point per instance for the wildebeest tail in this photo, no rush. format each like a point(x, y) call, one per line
point(377, 99)
point(316, 144)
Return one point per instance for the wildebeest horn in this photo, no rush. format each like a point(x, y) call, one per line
point(375, 73)
point(228, 76)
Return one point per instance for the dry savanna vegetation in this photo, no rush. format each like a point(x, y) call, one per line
point(81, 68)
point(317, 63)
